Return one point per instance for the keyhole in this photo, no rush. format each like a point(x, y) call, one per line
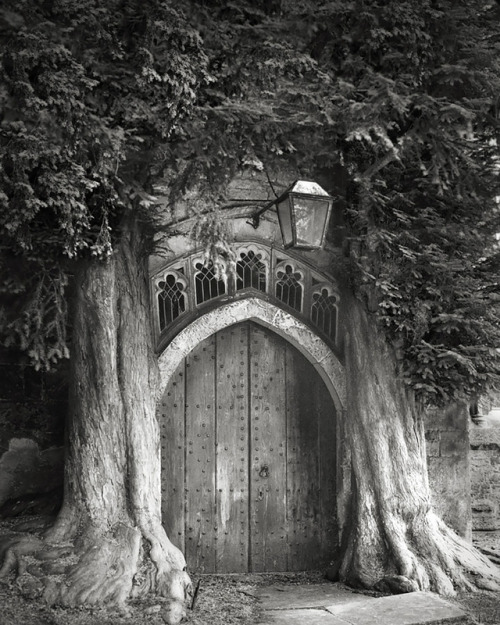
point(264, 471)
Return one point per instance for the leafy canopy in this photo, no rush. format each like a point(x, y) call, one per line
point(90, 93)
point(393, 106)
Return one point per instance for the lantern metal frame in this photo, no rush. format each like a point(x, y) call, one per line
point(289, 196)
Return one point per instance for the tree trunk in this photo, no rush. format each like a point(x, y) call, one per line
point(111, 515)
point(397, 542)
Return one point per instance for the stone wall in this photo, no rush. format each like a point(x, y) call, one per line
point(447, 436)
point(485, 477)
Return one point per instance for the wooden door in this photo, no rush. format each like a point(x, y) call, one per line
point(248, 456)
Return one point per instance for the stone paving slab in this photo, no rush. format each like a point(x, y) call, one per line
point(303, 617)
point(414, 608)
point(330, 604)
point(293, 596)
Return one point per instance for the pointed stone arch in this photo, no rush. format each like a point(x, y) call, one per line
point(319, 354)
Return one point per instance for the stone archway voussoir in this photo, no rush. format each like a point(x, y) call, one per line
point(283, 323)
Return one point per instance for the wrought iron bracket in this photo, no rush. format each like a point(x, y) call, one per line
point(255, 223)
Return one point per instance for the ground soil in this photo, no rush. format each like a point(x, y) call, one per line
point(218, 600)
point(221, 600)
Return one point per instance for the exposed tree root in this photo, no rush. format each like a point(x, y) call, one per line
point(423, 555)
point(114, 547)
point(104, 569)
point(104, 572)
point(12, 548)
point(164, 573)
point(491, 555)
point(397, 542)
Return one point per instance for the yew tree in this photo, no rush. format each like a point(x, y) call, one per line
point(91, 94)
point(392, 106)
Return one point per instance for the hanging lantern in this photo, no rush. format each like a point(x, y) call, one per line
point(303, 212)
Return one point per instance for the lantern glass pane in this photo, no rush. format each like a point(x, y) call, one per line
point(310, 220)
point(284, 217)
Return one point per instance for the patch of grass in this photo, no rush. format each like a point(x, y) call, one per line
point(483, 607)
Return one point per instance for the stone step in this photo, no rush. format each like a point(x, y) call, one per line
point(323, 604)
point(293, 596)
point(414, 608)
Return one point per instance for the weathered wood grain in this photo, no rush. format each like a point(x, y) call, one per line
point(268, 452)
point(249, 456)
point(200, 457)
point(303, 462)
point(232, 449)
point(171, 413)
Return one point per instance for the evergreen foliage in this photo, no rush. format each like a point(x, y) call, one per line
point(90, 91)
point(393, 106)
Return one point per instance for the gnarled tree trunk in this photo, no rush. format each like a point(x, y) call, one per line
point(397, 541)
point(111, 515)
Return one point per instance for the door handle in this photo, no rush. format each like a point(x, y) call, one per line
point(264, 471)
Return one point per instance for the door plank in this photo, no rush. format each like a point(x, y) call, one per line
point(232, 449)
point(268, 444)
point(303, 462)
point(218, 505)
point(172, 441)
point(200, 457)
point(329, 532)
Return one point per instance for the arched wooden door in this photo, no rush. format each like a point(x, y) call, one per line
point(248, 456)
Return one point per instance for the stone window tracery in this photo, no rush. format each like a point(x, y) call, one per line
point(171, 298)
point(207, 285)
point(289, 285)
point(251, 269)
point(188, 286)
point(324, 311)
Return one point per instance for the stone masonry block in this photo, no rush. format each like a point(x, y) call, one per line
point(454, 417)
point(453, 443)
point(432, 449)
point(433, 435)
point(482, 523)
point(485, 506)
point(450, 491)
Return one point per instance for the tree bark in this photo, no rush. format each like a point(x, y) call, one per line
point(397, 542)
point(111, 514)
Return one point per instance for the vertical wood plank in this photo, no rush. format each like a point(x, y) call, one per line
point(200, 457)
point(170, 414)
point(329, 534)
point(303, 462)
point(267, 448)
point(219, 432)
point(232, 449)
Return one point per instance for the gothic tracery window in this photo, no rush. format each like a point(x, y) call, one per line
point(289, 287)
point(324, 312)
point(251, 271)
point(188, 284)
point(171, 299)
point(207, 284)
